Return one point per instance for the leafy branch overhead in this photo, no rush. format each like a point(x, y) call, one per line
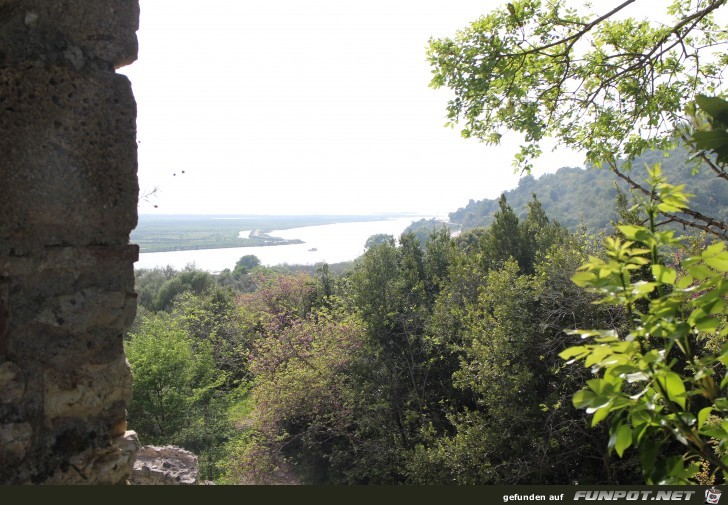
point(595, 83)
point(607, 85)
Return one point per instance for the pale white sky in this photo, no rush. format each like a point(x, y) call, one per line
point(306, 107)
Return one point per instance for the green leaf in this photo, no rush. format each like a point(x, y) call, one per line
point(670, 206)
point(663, 274)
point(713, 250)
point(711, 140)
point(597, 356)
point(648, 449)
point(719, 263)
point(700, 272)
point(718, 307)
point(703, 416)
point(642, 288)
point(599, 385)
point(685, 282)
point(631, 231)
point(714, 106)
point(582, 399)
point(599, 415)
point(673, 385)
point(583, 279)
point(612, 378)
point(707, 324)
point(721, 404)
point(624, 439)
point(598, 403)
point(571, 352)
point(714, 432)
point(702, 321)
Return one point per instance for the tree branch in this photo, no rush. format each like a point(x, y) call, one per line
point(712, 226)
point(580, 33)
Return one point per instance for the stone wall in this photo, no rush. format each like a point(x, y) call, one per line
point(68, 200)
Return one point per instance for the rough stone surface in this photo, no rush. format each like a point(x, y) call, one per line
point(15, 440)
point(12, 383)
point(106, 466)
point(164, 465)
point(87, 392)
point(68, 201)
point(77, 33)
point(75, 137)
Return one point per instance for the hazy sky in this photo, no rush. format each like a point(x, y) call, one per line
point(302, 107)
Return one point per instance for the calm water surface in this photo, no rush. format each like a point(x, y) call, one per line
point(330, 243)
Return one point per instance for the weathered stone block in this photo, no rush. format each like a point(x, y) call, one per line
point(87, 391)
point(12, 382)
point(68, 150)
point(15, 440)
point(100, 466)
point(4, 315)
point(75, 32)
point(85, 309)
point(61, 349)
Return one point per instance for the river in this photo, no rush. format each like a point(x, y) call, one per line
point(330, 243)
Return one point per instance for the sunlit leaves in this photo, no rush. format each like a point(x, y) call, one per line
point(607, 88)
point(642, 387)
point(672, 386)
point(703, 416)
point(663, 274)
point(622, 439)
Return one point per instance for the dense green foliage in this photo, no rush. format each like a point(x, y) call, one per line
point(658, 374)
point(658, 378)
point(433, 364)
point(179, 393)
point(614, 88)
point(423, 228)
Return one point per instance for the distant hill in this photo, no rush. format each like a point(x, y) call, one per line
point(578, 196)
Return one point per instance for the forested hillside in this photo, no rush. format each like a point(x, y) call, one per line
point(576, 196)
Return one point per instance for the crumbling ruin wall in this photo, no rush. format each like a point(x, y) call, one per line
point(68, 201)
